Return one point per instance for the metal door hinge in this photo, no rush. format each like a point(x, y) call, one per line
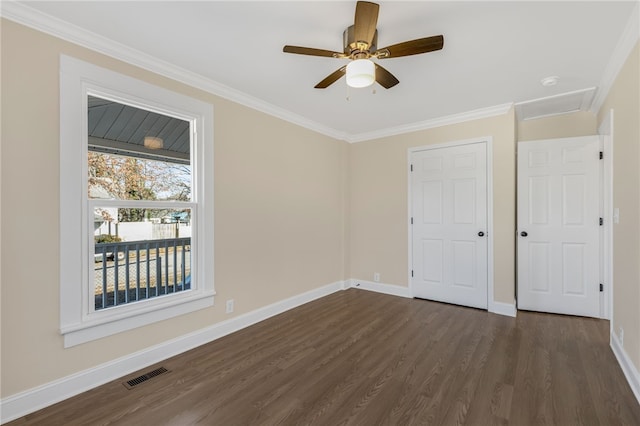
point(601, 287)
point(601, 155)
point(601, 221)
point(412, 167)
point(412, 272)
point(412, 221)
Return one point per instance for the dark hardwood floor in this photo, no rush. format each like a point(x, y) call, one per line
point(357, 357)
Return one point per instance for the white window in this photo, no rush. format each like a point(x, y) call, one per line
point(136, 203)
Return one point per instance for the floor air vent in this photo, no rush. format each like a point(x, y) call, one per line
point(130, 384)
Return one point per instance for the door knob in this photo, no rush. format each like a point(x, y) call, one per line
point(524, 233)
point(480, 234)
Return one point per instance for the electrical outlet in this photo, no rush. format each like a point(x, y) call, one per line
point(376, 277)
point(229, 306)
point(621, 336)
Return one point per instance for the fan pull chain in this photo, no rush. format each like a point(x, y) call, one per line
point(348, 95)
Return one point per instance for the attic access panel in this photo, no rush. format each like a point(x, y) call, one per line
point(563, 103)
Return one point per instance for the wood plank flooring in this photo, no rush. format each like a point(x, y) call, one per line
point(362, 358)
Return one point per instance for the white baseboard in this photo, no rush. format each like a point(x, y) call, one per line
point(501, 308)
point(31, 400)
point(391, 289)
point(630, 371)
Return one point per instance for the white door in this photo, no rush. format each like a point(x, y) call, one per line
point(558, 226)
point(449, 231)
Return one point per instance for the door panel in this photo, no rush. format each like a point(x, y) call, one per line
point(432, 202)
point(558, 229)
point(432, 252)
point(464, 195)
point(574, 266)
point(449, 199)
point(463, 255)
point(539, 210)
point(539, 255)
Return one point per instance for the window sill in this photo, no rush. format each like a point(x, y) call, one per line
point(107, 326)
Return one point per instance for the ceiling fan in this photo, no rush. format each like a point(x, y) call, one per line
point(360, 46)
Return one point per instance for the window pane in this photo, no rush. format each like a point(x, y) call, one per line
point(137, 260)
point(136, 154)
point(126, 178)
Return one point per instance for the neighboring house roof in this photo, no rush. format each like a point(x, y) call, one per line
point(99, 193)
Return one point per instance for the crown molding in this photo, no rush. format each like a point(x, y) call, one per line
point(618, 58)
point(25, 15)
point(430, 124)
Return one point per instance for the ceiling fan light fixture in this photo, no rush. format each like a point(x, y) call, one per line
point(152, 142)
point(361, 73)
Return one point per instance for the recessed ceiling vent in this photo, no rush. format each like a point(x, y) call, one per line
point(130, 384)
point(564, 103)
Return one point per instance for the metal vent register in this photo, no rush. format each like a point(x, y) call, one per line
point(130, 384)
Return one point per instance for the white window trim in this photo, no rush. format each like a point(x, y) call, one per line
point(78, 322)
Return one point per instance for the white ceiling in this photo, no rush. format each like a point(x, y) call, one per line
point(494, 52)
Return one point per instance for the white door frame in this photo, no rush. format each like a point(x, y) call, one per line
point(605, 130)
point(488, 141)
point(590, 300)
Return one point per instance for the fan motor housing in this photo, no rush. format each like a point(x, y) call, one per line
point(351, 44)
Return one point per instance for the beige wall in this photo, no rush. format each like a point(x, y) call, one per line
point(624, 99)
point(582, 123)
point(379, 201)
point(294, 210)
point(280, 202)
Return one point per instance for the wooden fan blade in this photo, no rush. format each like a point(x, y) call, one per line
point(413, 47)
point(312, 52)
point(331, 78)
point(385, 78)
point(364, 27)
